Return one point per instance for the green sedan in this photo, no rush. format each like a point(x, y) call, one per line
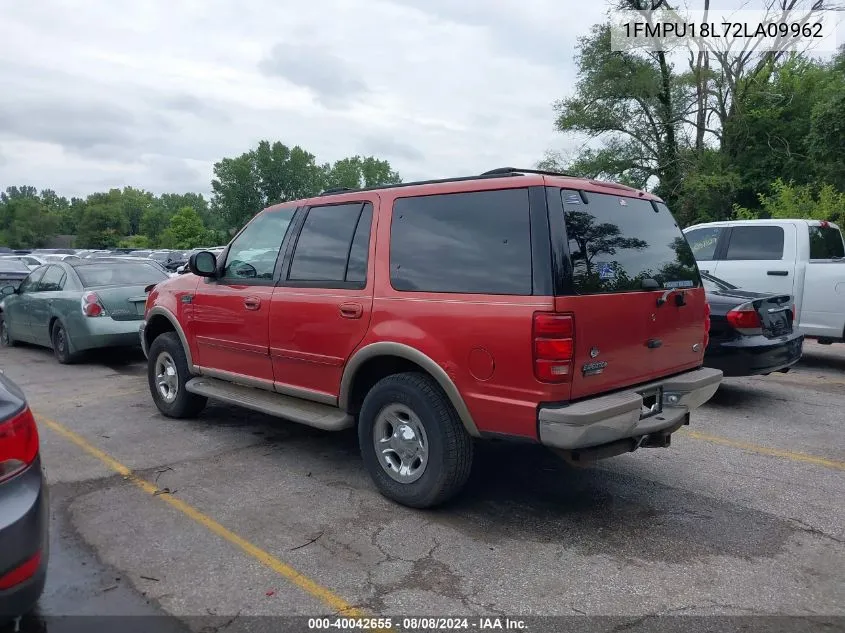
point(78, 306)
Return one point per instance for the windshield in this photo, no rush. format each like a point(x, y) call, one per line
point(119, 275)
point(617, 242)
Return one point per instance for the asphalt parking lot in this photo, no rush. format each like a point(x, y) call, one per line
point(238, 514)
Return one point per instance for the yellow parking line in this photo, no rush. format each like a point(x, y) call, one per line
point(764, 450)
point(310, 587)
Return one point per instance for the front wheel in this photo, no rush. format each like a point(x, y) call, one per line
point(412, 441)
point(167, 373)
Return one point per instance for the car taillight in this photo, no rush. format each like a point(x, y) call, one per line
point(745, 320)
point(554, 346)
point(18, 444)
point(794, 314)
point(91, 306)
point(706, 324)
point(21, 573)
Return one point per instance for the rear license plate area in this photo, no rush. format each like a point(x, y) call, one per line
point(652, 402)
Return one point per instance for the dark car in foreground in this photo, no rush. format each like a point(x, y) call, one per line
point(751, 333)
point(24, 506)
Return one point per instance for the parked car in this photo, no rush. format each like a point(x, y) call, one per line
point(518, 305)
point(801, 258)
point(12, 272)
point(32, 261)
point(78, 306)
point(750, 332)
point(24, 506)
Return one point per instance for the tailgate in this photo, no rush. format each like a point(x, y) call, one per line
point(637, 300)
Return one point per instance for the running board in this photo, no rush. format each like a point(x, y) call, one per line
point(321, 416)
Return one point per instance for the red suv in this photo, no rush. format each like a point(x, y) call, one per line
point(518, 305)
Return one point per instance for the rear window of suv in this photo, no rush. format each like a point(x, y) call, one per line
point(471, 243)
point(616, 242)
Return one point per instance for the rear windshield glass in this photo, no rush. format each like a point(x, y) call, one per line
point(615, 243)
point(119, 275)
point(826, 243)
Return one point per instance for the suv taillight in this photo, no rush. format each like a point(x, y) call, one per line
point(794, 314)
point(18, 444)
point(91, 306)
point(554, 346)
point(706, 324)
point(745, 320)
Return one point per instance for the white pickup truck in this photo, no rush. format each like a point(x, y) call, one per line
point(803, 258)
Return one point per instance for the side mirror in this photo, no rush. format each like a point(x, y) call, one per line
point(5, 291)
point(203, 264)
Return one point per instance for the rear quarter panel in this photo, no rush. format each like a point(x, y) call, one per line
point(482, 342)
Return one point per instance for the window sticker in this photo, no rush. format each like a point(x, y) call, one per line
point(606, 271)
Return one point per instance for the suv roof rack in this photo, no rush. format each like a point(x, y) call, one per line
point(331, 190)
point(491, 174)
point(514, 171)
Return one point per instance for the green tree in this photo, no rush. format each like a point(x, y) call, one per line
point(135, 202)
point(153, 223)
point(104, 222)
point(135, 242)
point(186, 230)
point(789, 201)
point(273, 173)
point(632, 105)
point(25, 221)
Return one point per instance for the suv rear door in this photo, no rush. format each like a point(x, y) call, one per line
point(760, 257)
point(625, 332)
point(321, 307)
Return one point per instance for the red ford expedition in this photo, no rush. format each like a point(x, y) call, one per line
point(517, 304)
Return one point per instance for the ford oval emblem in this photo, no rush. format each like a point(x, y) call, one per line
point(594, 352)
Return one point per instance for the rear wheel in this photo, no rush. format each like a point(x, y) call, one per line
point(167, 373)
point(61, 344)
point(5, 339)
point(413, 442)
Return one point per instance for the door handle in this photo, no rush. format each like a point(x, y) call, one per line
point(778, 273)
point(252, 303)
point(706, 272)
point(351, 310)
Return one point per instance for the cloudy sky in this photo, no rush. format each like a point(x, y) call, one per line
point(151, 93)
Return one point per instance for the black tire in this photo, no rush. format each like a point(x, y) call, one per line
point(449, 447)
point(61, 344)
point(5, 340)
point(184, 404)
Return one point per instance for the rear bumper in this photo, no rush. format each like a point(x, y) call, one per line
point(750, 356)
point(24, 519)
point(106, 332)
point(618, 416)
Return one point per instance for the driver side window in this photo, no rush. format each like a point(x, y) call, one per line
point(30, 284)
point(253, 254)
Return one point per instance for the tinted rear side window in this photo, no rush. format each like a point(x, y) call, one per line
point(826, 243)
point(615, 243)
point(324, 245)
point(755, 242)
point(472, 243)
